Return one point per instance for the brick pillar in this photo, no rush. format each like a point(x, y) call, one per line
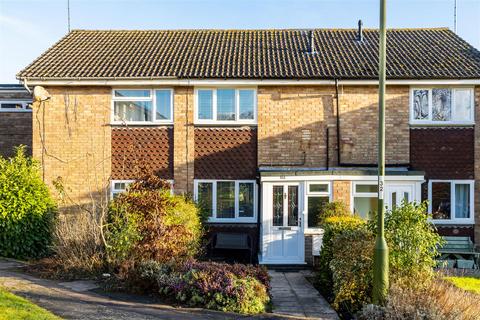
point(341, 191)
point(477, 167)
point(183, 140)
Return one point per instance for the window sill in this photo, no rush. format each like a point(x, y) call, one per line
point(225, 123)
point(16, 110)
point(452, 221)
point(314, 231)
point(232, 220)
point(140, 123)
point(442, 124)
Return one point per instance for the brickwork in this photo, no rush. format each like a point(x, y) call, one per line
point(140, 150)
point(293, 122)
point(342, 191)
point(226, 153)
point(15, 129)
point(184, 140)
point(72, 139)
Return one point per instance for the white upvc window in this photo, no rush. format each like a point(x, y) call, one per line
point(142, 106)
point(15, 106)
point(451, 201)
point(365, 199)
point(442, 106)
point(119, 186)
point(227, 200)
point(225, 106)
point(317, 195)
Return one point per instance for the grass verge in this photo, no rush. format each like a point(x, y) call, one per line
point(13, 307)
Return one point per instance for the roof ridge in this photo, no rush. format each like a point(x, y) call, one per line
point(256, 30)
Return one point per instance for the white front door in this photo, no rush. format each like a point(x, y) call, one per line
point(283, 241)
point(397, 193)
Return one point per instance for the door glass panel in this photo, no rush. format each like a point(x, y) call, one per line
point(292, 205)
point(394, 200)
point(277, 206)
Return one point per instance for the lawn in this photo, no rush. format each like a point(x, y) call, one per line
point(466, 283)
point(13, 307)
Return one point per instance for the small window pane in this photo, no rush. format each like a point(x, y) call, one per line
point(12, 105)
point(205, 198)
point(462, 201)
point(163, 102)
point(247, 104)
point(463, 105)
point(225, 104)
point(441, 104)
point(226, 199)
point(315, 207)
point(366, 188)
point(420, 104)
point(133, 111)
point(205, 104)
point(132, 93)
point(245, 200)
point(365, 207)
point(119, 186)
point(441, 200)
point(277, 206)
point(318, 187)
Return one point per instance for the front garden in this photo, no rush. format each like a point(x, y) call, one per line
point(149, 241)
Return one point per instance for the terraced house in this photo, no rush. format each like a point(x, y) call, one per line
point(262, 127)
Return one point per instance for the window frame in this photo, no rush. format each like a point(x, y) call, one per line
point(24, 104)
point(237, 218)
point(356, 194)
point(414, 121)
point(237, 120)
point(152, 98)
point(308, 194)
point(114, 191)
point(453, 219)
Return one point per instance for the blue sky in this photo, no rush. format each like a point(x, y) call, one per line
point(29, 27)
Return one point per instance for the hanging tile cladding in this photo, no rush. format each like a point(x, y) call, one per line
point(443, 153)
point(138, 149)
point(225, 153)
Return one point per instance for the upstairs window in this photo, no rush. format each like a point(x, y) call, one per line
point(142, 105)
point(15, 106)
point(225, 106)
point(442, 106)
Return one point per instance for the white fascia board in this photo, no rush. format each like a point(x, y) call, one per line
point(392, 178)
point(216, 82)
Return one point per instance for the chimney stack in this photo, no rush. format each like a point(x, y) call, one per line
point(360, 31)
point(312, 43)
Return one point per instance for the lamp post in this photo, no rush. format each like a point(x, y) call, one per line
point(380, 268)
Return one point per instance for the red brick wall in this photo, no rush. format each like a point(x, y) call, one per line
point(141, 148)
point(225, 153)
point(443, 153)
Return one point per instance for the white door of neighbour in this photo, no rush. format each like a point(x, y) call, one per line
point(396, 194)
point(282, 224)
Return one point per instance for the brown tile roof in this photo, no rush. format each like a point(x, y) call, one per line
point(225, 153)
point(136, 151)
point(255, 54)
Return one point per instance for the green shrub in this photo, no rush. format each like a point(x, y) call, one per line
point(331, 209)
point(412, 242)
point(27, 211)
point(149, 223)
point(219, 286)
point(351, 267)
point(332, 226)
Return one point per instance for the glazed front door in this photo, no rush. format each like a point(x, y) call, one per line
point(397, 194)
point(284, 232)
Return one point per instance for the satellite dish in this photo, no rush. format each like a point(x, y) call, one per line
point(40, 94)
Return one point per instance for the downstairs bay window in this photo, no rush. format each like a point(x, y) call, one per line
point(451, 201)
point(227, 200)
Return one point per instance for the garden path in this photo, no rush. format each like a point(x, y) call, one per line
point(294, 295)
point(75, 300)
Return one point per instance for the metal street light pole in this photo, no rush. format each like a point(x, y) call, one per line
point(380, 276)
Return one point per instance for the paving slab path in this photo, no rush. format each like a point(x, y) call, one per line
point(294, 295)
point(75, 300)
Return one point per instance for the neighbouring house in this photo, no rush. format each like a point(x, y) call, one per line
point(262, 127)
point(15, 118)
